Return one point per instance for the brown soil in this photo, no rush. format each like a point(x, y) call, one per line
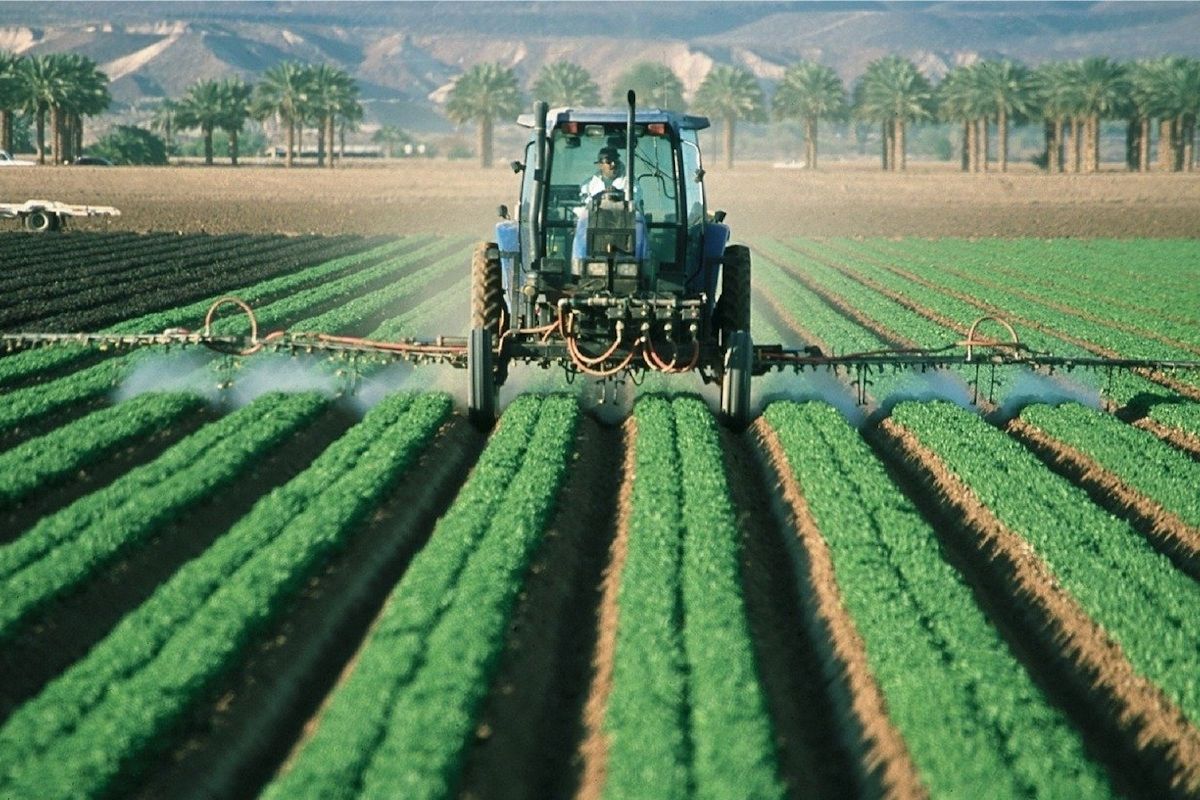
point(1181, 439)
point(1173, 536)
point(885, 767)
point(233, 743)
point(63, 632)
point(529, 731)
point(1144, 723)
point(458, 197)
point(812, 763)
point(593, 750)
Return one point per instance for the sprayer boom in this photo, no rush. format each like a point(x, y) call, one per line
point(555, 345)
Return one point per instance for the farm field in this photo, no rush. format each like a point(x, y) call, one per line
point(228, 577)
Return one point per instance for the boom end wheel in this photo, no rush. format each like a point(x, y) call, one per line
point(735, 382)
point(481, 389)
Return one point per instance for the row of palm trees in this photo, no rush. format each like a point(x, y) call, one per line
point(57, 88)
point(1068, 98)
point(293, 94)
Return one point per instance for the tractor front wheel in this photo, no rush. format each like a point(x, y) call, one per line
point(735, 381)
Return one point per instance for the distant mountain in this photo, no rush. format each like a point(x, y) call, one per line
point(405, 55)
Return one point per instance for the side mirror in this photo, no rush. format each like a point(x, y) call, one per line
point(699, 174)
point(502, 211)
point(517, 166)
point(718, 216)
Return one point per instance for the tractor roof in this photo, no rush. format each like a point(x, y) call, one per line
point(558, 116)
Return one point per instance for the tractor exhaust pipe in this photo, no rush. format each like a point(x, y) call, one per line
point(540, 109)
point(631, 98)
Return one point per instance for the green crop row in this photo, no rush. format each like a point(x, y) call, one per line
point(93, 722)
point(1139, 459)
point(1120, 386)
point(1151, 609)
point(367, 305)
point(1151, 278)
point(686, 716)
point(969, 714)
point(972, 278)
point(398, 726)
point(22, 365)
point(34, 402)
point(49, 459)
point(64, 549)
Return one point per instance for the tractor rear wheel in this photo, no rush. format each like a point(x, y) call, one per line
point(487, 288)
point(488, 312)
point(735, 291)
point(735, 381)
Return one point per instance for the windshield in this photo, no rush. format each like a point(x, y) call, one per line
point(575, 175)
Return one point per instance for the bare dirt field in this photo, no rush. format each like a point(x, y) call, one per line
point(460, 198)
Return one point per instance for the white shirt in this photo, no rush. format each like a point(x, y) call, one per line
point(596, 185)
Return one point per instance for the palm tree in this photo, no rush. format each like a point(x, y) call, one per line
point(481, 94)
point(809, 92)
point(235, 110)
point(390, 137)
point(731, 93)
point(957, 100)
point(86, 94)
point(1004, 86)
point(1144, 103)
point(203, 107)
point(163, 120)
point(283, 94)
point(333, 95)
point(10, 95)
point(1053, 96)
point(565, 83)
point(893, 92)
point(1175, 93)
point(43, 89)
point(1101, 86)
point(655, 84)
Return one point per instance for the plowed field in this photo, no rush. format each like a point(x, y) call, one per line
point(231, 578)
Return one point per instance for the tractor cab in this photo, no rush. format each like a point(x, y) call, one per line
point(639, 229)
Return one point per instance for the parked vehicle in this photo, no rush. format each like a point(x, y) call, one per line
point(6, 160)
point(91, 161)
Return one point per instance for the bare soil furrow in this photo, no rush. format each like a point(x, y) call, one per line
point(882, 766)
point(593, 749)
point(813, 764)
point(1169, 533)
point(1127, 721)
point(234, 742)
point(1182, 440)
point(532, 725)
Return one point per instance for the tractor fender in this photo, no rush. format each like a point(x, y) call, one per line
point(715, 238)
point(508, 239)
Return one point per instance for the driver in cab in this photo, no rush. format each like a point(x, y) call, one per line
point(610, 175)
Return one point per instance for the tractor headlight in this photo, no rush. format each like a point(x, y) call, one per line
point(597, 269)
point(627, 270)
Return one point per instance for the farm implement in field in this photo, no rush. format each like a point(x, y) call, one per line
point(557, 344)
point(613, 268)
point(44, 216)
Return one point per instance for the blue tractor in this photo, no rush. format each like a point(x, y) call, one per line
point(611, 269)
